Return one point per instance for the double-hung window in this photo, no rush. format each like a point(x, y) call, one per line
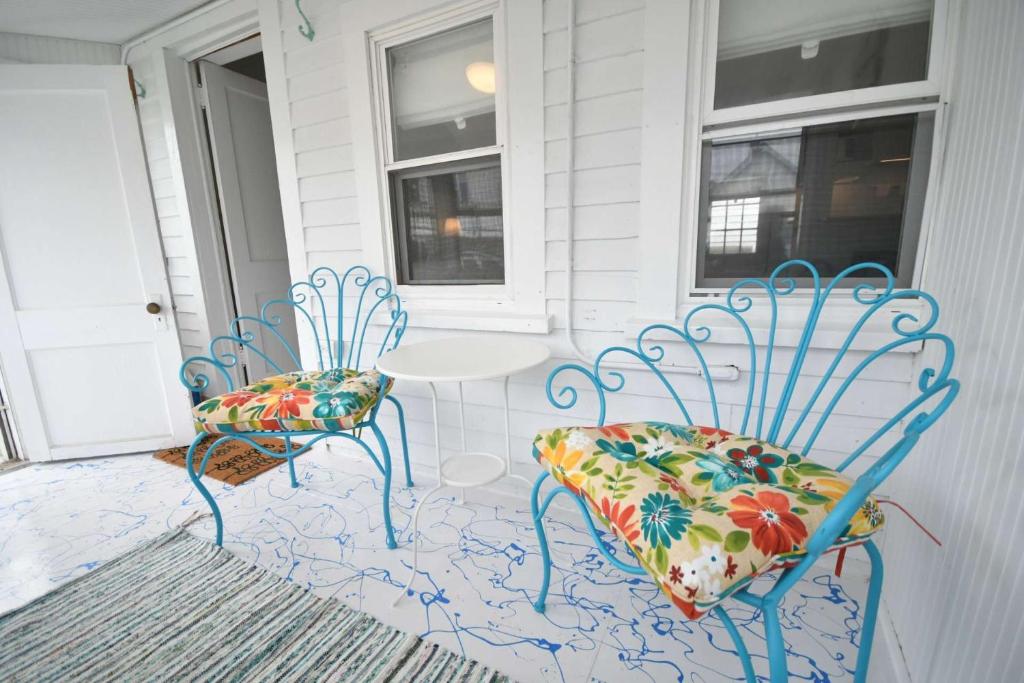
point(817, 129)
point(443, 152)
point(447, 121)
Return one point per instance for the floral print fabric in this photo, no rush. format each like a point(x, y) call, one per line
point(704, 510)
point(326, 400)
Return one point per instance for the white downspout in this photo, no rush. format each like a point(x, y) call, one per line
point(570, 163)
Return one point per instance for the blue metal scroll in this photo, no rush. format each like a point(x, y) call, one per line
point(341, 344)
point(769, 412)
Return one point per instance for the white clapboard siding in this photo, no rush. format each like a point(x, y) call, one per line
point(957, 609)
point(607, 146)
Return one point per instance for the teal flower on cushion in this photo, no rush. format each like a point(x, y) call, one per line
point(663, 519)
point(624, 451)
point(336, 405)
point(723, 475)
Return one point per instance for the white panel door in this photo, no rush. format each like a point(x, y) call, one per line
point(242, 142)
point(89, 370)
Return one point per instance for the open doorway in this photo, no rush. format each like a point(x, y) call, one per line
point(240, 144)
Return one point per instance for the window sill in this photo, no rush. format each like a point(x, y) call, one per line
point(480, 321)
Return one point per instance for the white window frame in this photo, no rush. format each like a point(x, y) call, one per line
point(369, 28)
point(678, 117)
point(798, 112)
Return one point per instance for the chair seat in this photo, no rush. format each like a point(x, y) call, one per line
point(322, 400)
point(704, 510)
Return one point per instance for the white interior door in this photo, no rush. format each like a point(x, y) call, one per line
point(89, 371)
point(243, 155)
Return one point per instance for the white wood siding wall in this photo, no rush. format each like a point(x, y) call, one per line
point(19, 48)
point(610, 64)
point(957, 609)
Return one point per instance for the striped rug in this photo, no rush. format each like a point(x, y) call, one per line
point(180, 608)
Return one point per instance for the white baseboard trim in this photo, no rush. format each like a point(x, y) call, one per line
point(887, 662)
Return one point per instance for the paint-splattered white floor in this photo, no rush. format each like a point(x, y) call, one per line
point(480, 568)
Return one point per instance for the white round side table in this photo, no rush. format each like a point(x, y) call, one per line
point(462, 359)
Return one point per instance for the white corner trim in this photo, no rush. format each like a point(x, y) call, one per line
point(887, 662)
point(284, 154)
point(670, 120)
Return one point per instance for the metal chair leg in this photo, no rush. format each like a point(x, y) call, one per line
point(195, 477)
point(291, 462)
point(538, 524)
point(386, 496)
point(737, 639)
point(867, 631)
point(776, 643)
point(405, 442)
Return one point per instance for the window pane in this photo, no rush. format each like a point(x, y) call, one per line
point(777, 49)
point(835, 195)
point(442, 92)
point(449, 227)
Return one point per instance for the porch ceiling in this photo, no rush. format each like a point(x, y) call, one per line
point(102, 21)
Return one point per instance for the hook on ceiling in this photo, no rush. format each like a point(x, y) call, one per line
point(306, 30)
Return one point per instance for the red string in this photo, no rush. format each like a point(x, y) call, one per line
point(913, 519)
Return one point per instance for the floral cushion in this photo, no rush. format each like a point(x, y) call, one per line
point(704, 510)
point(326, 400)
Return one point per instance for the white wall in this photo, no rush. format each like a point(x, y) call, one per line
point(18, 48)
point(957, 609)
point(609, 116)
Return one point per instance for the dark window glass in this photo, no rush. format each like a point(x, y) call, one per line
point(793, 48)
point(835, 195)
point(449, 228)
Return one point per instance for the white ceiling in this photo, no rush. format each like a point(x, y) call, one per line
point(102, 21)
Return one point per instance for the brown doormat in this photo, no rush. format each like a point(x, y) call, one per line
point(233, 462)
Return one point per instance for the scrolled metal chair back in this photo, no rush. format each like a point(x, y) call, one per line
point(770, 411)
point(333, 311)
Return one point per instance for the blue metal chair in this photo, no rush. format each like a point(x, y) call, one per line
point(336, 400)
point(776, 431)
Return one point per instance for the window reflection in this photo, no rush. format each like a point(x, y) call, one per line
point(835, 195)
point(450, 217)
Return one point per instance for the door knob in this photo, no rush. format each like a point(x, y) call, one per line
point(152, 307)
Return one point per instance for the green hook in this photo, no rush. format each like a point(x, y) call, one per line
point(306, 30)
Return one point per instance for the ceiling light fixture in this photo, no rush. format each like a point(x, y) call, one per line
point(481, 76)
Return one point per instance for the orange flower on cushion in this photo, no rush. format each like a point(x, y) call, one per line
point(615, 432)
point(237, 398)
point(621, 520)
point(284, 403)
point(560, 456)
point(774, 529)
point(562, 459)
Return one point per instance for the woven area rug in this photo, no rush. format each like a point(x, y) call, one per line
point(180, 608)
point(233, 462)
